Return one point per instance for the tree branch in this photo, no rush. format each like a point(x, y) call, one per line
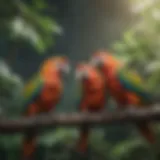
point(72, 119)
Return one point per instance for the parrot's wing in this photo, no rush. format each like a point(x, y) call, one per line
point(32, 90)
point(134, 83)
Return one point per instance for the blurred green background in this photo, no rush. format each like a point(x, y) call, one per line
point(31, 30)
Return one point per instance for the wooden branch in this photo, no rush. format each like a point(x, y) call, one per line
point(73, 119)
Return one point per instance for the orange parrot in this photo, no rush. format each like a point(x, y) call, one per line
point(92, 89)
point(126, 87)
point(42, 93)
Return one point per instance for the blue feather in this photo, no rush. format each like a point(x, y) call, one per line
point(32, 91)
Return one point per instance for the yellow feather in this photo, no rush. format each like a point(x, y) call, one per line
point(134, 77)
point(31, 86)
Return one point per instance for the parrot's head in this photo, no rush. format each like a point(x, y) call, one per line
point(57, 64)
point(61, 64)
point(86, 73)
point(104, 61)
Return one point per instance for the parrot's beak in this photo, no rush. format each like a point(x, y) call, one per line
point(96, 62)
point(79, 75)
point(65, 68)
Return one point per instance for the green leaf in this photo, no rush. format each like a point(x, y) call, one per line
point(32, 27)
point(39, 4)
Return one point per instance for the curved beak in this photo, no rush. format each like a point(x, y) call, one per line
point(79, 75)
point(65, 68)
point(96, 62)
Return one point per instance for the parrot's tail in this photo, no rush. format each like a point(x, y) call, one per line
point(147, 132)
point(29, 146)
point(29, 141)
point(83, 140)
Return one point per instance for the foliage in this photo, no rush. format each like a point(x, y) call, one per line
point(61, 144)
point(10, 90)
point(140, 44)
point(24, 22)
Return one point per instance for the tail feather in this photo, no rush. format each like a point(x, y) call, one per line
point(147, 132)
point(29, 146)
point(29, 141)
point(83, 140)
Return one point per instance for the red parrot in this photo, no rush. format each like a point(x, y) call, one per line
point(92, 87)
point(42, 93)
point(126, 87)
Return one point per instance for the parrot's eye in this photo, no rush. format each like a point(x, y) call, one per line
point(97, 61)
point(81, 75)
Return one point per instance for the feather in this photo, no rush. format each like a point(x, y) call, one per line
point(83, 140)
point(32, 90)
point(133, 83)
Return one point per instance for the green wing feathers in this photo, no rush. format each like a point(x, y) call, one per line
point(134, 83)
point(32, 89)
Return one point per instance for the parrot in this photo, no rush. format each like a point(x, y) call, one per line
point(125, 86)
point(42, 93)
point(92, 97)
